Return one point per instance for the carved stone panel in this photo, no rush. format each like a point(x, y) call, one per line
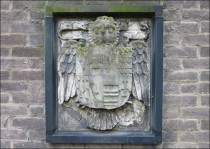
point(103, 73)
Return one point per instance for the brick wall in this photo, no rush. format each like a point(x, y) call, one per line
point(186, 74)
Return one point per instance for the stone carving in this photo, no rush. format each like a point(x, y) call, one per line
point(102, 73)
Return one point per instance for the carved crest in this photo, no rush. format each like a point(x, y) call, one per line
point(102, 74)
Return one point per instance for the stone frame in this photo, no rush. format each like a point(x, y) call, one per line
point(154, 136)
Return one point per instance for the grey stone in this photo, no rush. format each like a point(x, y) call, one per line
point(37, 63)
point(170, 136)
point(196, 63)
point(27, 28)
point(37, 41)
point(27, 75)
point(204, 76)
point(26, 52)
point(8, 64)
point(29, 144)
point(194, 137)
point(172, 39)
point(204, 51)
point(177, 27)
point(180, 51)
point(172, 64)
point(36, 135)
point(7, 86)
point(195, 15)
point(5, 52)
point(205, 124)
point(170, 88)
point(189, 88)
point(204, 27)
point(14, 110)
point(170, 112)
point(196, 113)
point(204, 88)
point(37, 15)
point(29, 123)
point(13, 134)
point(4, 75)
point(14, 39)
point(171, 15)
point(195, 40)
point(36, 111)
point(205, 100)
point(180, 125)
point(180, 100)
point(5, 143)
point(4, 98)
point(5, 5)
point(204, 4)
point(181, 76)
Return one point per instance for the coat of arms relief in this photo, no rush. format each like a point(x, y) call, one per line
point(104, 72)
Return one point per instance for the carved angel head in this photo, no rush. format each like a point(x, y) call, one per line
point(104, 31)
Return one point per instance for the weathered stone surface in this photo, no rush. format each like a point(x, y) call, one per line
point(27, 28)
point(20, 86)
point(172, 64)
point(170, 136)
point(171, 15)
point(194, 136)
point(27, 75)
point(37, 15)
point(25, 52)
point(15, 64)
point(204, 5)
point(5, 5)
point(196, 63)
point(195, 40)
point(180, 100)
point(37, 40)
point(180, 52)
point(29, 144)
point(181, 125)
point(14, 110)
point(14, 39)
point(5, 143)
point(204, 76)
point(189, 88)
point(4, 75)
point(205, 100)
point(4, 98)
point(28, 123)
point(37, 111)
point(204, 51)
point(13, 134)
point(170, 112)
point(195, 15)
point(171, 88)
point(196, 113)
point(181, 76)
point(204, 88)
point(36, 135)
point(177, 27)
point(37, 63)
point(205, 124)
point(5, 52)
point(172, 39)
point(204, 27)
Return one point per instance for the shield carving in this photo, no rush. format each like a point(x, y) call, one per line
point(105, 76)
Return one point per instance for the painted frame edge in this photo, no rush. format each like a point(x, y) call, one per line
point(53, 136)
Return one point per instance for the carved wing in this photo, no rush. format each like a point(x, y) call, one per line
point(140, 73)
point(67, 71)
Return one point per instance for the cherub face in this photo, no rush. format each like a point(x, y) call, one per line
point(104, 31)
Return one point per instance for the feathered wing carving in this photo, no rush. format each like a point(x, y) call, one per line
point(141, 73)
point(67, 71)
